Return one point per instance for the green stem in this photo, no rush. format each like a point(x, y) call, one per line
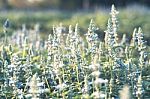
point(48, 85)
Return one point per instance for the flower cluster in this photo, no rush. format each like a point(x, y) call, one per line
point(68, 65)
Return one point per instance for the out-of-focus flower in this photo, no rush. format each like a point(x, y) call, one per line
point(100, 81)
point(96, 73)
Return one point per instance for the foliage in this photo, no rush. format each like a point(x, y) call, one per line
point(72, 65)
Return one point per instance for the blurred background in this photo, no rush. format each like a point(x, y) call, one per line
point(67, 4)
point(133, 13)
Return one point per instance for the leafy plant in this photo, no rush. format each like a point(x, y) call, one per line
point(72, 65)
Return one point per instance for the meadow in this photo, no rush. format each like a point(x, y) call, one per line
point(67, 55)
point(131, 17)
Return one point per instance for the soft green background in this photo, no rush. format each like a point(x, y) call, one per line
point(129, 18)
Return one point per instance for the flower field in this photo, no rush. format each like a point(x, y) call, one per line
point(69, 64)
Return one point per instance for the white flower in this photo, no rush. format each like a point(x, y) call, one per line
point(100, 81)
point(61, 86)
point(56, 71)
point(96, 73)
point(95, 94)
point(41, 90)
point(46, 90)
point(98, 95)
point(11, 66)
point(40, 84)
point(28, 95)
point(94, 66)
point(61, 64)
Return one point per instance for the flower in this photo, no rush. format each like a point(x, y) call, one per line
point(98, 95)
point(96, 73)
point(100, 81)
point(61, 86)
